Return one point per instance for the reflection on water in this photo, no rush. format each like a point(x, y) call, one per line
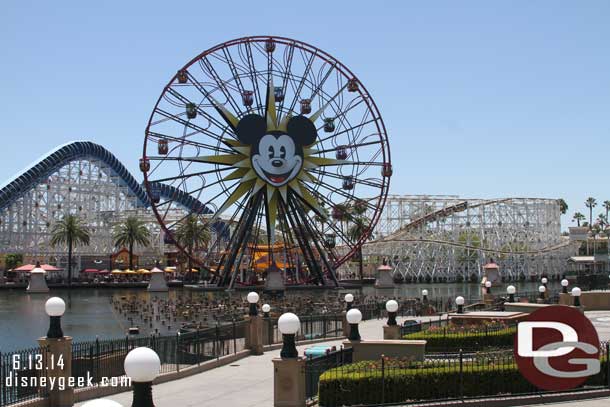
point(89, 312)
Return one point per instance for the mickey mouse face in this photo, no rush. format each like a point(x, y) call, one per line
point(276, 156)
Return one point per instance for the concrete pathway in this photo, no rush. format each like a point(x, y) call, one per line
point(249, 381)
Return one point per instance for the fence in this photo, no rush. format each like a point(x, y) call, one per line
point(16, 366)
point(457, 376)
point(312, 327)
point(315, 366)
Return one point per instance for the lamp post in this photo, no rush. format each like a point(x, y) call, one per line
point(142, 366)
point(564, 286)
point(289, 325)
point(252, 300)
point(391, 306)
point(488, 287)
point(544, 281)
point(266, 308)
point(55, 308)
point(541, 290)
point(424, 295)
point(349, 298)
point(354, 316)
point(576, 294)
point(511, 290)
point(459, 301)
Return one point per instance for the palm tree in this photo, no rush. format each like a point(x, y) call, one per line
point(602, 220)
point(355, 232)
point(70, 231)
point(606, 206)
point(590, 203)
point(578, 217)
point(191, 233)
point(563, 206)
point(129, 233)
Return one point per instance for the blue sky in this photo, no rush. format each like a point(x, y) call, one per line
point(480, 98)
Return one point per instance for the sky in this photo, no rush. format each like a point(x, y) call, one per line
point(482, 99)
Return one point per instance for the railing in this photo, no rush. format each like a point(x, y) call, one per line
point(312, 327)
point(458, 376)
point(27, 364)
point(315, 366)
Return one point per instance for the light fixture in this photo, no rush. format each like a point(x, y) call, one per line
point(424, 294)
point(353, 316)
point(288, 324)
point(511, 290)
point(266, 308)
point(349, 298)
point(488, 287)
point(459, 301)
point(576, 294)
point(391, 306)
point(564, 286)
point(142, 366)
point(253, 299)
point(55, 308)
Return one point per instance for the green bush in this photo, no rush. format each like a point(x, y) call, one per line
point(439, 340)
point(362, 383)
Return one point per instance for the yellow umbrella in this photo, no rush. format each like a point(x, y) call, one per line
point(143, 271)
point(128, 271)
point(170, 269)
point(117, 271)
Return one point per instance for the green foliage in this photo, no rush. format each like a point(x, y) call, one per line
point(192, 233)
point(361, 383)
point(70, 231)
point(129, 233)
point(13, 260)
point(563, 206)
point(453, 339)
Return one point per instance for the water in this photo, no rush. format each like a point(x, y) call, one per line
point(89, 312)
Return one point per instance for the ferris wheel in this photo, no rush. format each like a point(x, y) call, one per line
point(284, 152)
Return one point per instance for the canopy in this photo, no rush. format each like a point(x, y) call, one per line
point(117, 271)
point(30, 267)
point(170, 269)
point(142, 271)
point(90, 271)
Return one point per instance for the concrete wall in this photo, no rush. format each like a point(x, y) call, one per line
point(590, 300)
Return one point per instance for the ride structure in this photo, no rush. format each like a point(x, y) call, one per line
point(277, 139)
point(448, 238)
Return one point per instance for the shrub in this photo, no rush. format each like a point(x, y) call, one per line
point(453, 339)
point(363, 383)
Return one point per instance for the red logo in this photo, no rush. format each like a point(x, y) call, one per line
point(557, 348)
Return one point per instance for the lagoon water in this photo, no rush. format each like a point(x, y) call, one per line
point(89, 312)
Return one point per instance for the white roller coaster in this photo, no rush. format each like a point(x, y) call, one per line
point(447, 238)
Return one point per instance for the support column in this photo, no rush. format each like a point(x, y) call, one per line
point(267, 331)
point(391, 332)
point(59, 349)
point(254, 335)
point(289, 382)
point(345, 324)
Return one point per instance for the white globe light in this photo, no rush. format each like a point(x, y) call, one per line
point(544, 280)
point(266, 308)
point(253, 297)
point(488, 284)
point(289, 323)
point(102, 403)
point(542, 289)
point(459, 300)
point(349, 298)
point(354, 316)
point(391, 306)
point(55, 307)
point(564, 283)
point(511, 289)
point(576, 292)
point(424, 292)
point(142, 365)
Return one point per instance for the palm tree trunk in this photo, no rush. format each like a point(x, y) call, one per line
point(130, 256)
point(360, 267)
point(69, 262)
point(189, 265)
point(590, 217)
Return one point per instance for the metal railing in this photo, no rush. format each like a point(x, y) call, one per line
point(312, 327)
point(315, 366)
point(27, 364)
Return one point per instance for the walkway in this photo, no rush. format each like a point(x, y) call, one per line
point(249, 381)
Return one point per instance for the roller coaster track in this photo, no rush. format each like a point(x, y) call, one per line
point(433, 216)
point(542, 250)
point(40, 171)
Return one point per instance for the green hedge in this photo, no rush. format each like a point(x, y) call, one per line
point(361, 384)
point(438, 340)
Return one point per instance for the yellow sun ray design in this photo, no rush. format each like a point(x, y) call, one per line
point(241, 162)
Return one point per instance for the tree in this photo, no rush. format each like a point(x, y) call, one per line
point(563, 206)
point(602, 220)
point(13, 260)
point(355, 233)
point(70, 231)
point(590, 203)
point(129, 233)
point(606, 206)
point(578, 217)
point(191, 234)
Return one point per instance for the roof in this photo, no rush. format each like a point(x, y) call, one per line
point(491, 266)
point(582, 259)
